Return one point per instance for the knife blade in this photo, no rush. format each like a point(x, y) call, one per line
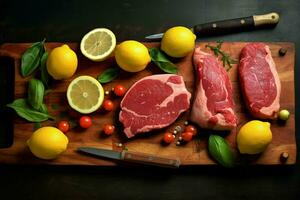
point(229, 25)
point(135, 157)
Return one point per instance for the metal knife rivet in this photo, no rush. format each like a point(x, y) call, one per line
point(242, 21)
point(214, 25)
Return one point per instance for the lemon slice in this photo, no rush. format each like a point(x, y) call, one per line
point(98, 44)
point(85, 94)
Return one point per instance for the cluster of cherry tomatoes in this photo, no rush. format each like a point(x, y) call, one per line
point(86, 121)
point(119, 90)
point(187, 135)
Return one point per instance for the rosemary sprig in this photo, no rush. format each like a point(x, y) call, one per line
point(226, 59)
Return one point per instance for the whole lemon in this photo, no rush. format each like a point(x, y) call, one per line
point(132, 56)
point(254, 137)
point(47, 142)
point(62, 62)
point(178, 41)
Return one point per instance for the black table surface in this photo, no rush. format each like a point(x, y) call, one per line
point(62, 21)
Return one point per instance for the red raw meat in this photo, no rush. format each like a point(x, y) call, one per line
point(259, 81)
point(153, 102)
point(213, 105)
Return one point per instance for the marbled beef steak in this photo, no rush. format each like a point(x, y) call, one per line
point(153, 102)
point(259, 81)
point(213, 105)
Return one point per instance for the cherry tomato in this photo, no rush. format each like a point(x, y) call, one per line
point(85, 121)
point(108, 129)
point(119, 90)
point(64, 126)
point(191, 128)
point(168, 138)
point(187, 136)
point(108, 105)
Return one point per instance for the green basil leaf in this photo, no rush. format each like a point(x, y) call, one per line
point(109, 75)
point(24, 110)
point(160, 59)
point(221, 151)
point(35, 93)
point(31, 58)
point(44, 72)
point(43, 109)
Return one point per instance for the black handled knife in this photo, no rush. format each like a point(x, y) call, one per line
point(230, 25)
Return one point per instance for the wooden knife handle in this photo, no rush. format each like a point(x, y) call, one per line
point(150, 159)
point(235, 25)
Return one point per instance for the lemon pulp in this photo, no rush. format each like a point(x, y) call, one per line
point(85, 94)
point(98, 44)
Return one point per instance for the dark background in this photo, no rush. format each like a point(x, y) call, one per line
point(30, 21)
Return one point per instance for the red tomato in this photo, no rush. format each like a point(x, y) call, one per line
point(119, 90)
point(191, 128)
point(85, 121)
point(108, 129)
point(108, 105)
point(168, 138)
point(187, 136)
point(64, 126)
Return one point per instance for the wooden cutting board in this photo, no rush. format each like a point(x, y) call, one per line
point(193, 153)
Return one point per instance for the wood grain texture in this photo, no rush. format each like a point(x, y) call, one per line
point(193, 153)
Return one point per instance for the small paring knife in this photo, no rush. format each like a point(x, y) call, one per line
point(135, 157)
point(229, 26)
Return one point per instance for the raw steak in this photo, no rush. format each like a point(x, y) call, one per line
point(213, 105)
point(259, 81)
point(153, 102)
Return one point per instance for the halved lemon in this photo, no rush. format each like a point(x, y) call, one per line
point(98, 44)
point(85, 94)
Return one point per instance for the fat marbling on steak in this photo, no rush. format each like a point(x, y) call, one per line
point(153, 102)
point(213, 106)
point(259, 81)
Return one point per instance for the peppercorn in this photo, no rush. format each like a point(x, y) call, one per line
point(284, 156)
point(282, 51)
